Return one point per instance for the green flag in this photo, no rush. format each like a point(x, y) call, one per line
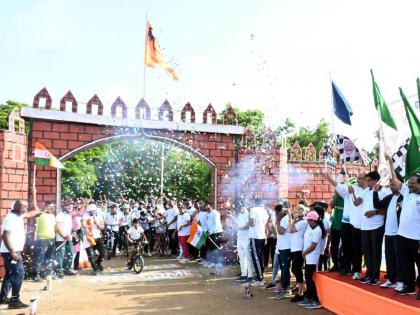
point(418, 89)
point(381, 105)
point(412, 162)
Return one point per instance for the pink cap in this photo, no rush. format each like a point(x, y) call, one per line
point(312, 215)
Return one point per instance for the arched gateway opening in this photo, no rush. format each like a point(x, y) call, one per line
point(139, 137)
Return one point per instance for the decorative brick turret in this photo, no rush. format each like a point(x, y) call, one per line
point(166, 107)
point(310, 153)
point(230, 114)
point(207, 112)
point(296, 152)
point(142, 106)
point(188, 108)
point(42, 94)
point(68, 98)
point(95, 101)
point(119, 103)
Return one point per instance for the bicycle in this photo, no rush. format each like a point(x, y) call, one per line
point(109, 244)
point(160, 238)
point(137, 262)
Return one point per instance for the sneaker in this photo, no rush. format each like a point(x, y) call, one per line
point(60, 276)
point(248, 280)
point(365, 280)
point(257, 283)
point(183, 261)
point(16, 304)
point(240, 279)
point(210, 265)
point(387, 284)
point(334, 269)
point(38, 278)
point(270, 285)
point(313, 305)
point(5, 300)
point(179, 257)
point(406, 291)
point(356, 276)
point(399, 286)
point(70, 272)
point(277, 289)
point(101, 268)
point(304, 302)
point(374, 282)
point(203, 262)
point(297, 298)
point(293, 290)
point(281, 294)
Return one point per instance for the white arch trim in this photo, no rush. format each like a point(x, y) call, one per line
point(115, 138)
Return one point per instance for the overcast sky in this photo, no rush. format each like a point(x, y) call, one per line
point(272, 55)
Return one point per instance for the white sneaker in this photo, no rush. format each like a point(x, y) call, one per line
point(356, 276)
point(210, 265)
point(388, 284)
point(179, 257)
point(203, 262)
point(257, 283)
point(399, 286)
point(183, 261)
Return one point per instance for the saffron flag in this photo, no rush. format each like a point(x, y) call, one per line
point(381, 105)
point(153, 55)
point(43, 157)
point(342, 108)
point(412, 162)
point(197, 235)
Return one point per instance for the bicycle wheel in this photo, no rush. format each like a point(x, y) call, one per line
point(138, 264)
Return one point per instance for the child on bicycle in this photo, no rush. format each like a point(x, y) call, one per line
point(135, 235)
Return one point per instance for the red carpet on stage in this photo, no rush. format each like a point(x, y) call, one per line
point(343, 295)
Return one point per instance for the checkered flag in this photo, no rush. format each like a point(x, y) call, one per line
point(347, 149)
point(327, 154)
point(398, 158)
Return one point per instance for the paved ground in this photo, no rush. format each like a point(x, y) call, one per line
point(164, 287)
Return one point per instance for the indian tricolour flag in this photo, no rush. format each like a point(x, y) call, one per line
point(45, 158)
point(197, 235)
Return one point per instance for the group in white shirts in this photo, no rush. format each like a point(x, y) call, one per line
point(299, 239)
point(377, 214)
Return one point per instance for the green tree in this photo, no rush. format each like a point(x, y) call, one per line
point(316, 136)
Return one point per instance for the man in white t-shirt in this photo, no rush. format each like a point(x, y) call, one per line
point(183, 226)
point(170, 215)
point(215, 230)
point(13, 240)
point(372, 226)
point(64, 241)
point(113, 222)
point(243, 245)
point(258, 219)
point(409, 231)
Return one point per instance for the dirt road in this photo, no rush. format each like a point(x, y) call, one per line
point(164, 287)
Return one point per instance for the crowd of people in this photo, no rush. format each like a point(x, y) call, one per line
point(335, 237)
point(98, 230)
point(300, 239)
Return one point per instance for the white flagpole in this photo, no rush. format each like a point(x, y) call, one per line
point(144, 64)
point(34, 179)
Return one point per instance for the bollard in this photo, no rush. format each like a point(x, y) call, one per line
point(33, 306)
point(248, 294)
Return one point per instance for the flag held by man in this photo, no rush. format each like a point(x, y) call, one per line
point(412, 163)
point(197, 235)
point(342, 108)
point(153, 55)
point(381, 105)
point(43, 157)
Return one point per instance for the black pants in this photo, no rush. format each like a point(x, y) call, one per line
point(346, 241)
point(269, 249)
point(173, 242)
point(310, 293)
point(213, 253)
point(90, 251)
point(409, 256)
point(193, 251)
point(117, 241)
point(257, 255)
point(152, 234)
point(123, 238)
point(297, 266)
point(334, 249)
point(372, 250)
point(76, 261)
point(393, 258)
point(356, 247)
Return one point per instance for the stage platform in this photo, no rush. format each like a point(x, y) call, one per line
point(343, 295)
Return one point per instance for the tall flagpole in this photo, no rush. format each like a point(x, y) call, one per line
point(144, 64)
point(332, 105)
